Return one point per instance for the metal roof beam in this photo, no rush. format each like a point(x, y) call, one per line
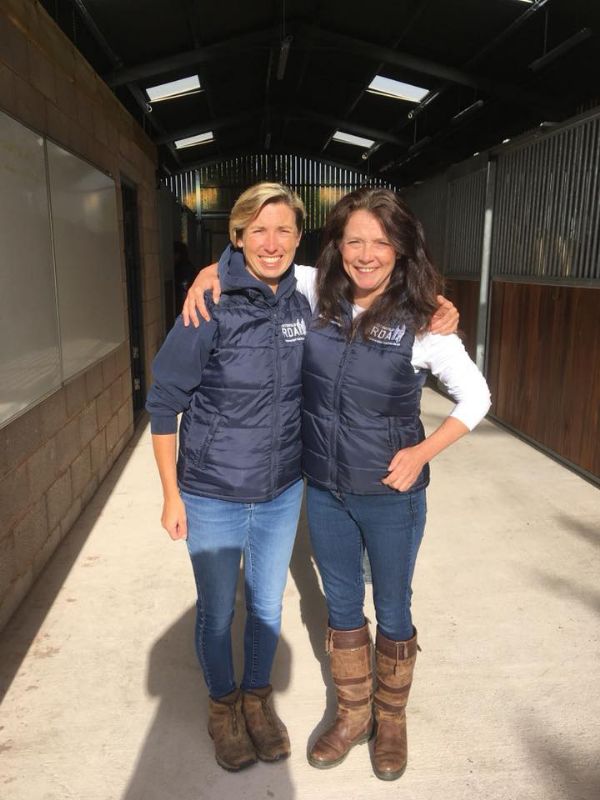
point(191, 58)
point(252, 151)
point(348, 126)
point(210, 125)
point(276, 111)
point(424, 66)
point(388, 55)
point(116, 62)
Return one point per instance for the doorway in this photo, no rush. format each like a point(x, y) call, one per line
point(134, 294)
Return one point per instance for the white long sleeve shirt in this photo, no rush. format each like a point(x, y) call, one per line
point(444, 356)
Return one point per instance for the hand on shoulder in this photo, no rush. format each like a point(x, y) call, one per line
point(206, 280)
point(446, 318)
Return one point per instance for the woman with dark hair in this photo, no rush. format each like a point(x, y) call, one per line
point(365, 455)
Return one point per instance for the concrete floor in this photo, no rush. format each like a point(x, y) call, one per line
point(103, 699)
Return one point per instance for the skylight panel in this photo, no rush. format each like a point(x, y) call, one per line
point(167, 91)
point(397, 89)
point(190, 141)
point(350, 138)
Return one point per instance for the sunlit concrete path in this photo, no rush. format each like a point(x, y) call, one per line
point(103, 699)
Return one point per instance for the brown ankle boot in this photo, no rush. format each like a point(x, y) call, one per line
point(395, 662)
point(233, 748)
point(268, 733)
point(350, 653)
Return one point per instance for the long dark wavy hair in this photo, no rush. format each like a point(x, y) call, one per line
point(410, 296)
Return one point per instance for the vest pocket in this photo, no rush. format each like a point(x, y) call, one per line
point(394, 436)
point(198, 456)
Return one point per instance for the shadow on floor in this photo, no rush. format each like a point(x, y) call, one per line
point(313, 612)
point(561, 586)
point(588, 533)
point(27, 620)
point(577, 776)
point(176, 761)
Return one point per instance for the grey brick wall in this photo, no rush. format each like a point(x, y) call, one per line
point(53, 457)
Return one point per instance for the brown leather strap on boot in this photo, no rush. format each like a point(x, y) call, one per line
point(351, 667)
point(395, 662)
point(226, 725)
point(268, 733)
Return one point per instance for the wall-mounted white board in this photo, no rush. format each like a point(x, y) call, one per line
point(29, 341)
point(61, 283)
point(87, 257)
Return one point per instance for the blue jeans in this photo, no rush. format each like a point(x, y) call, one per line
point(391, 528)
point(219, 531)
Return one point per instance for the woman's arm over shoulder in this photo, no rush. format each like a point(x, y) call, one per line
point(207, 280)
point(177, 371)
point(447, 359)
point(306, 283)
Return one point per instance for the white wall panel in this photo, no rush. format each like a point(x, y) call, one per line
point(29, 344)
point(88, 263)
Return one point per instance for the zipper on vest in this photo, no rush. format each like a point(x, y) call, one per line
point(337, 390)
point(276, 400)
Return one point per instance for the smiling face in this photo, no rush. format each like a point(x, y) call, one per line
point(368, 257)
point(269, 242)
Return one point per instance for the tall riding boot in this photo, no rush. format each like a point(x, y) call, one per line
point(395, 662)
point(351, 667)
point(268, 733)
point(226, 725)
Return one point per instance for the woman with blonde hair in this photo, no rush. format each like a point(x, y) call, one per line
point(235, 489)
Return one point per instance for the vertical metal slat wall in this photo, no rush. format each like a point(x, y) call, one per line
point(543, 336)
point(547, 207)
point(464, 229)
point(429, 202)
point(212, 189)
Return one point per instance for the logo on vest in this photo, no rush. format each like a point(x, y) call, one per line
point(294, 331)
point(385, 335)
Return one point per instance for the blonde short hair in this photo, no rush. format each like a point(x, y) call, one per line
point(250, 203)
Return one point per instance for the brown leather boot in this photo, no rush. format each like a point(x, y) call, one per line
point(233, 748)
point(395, 662)
point(268, 733)
point(351, 667)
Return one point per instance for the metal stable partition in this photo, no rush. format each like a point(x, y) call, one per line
point(527, 210)
point(521, 248)
point(429, 202)
point(547, 216)
point(464, 224)
point(213, 188)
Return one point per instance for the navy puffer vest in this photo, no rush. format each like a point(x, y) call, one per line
point(240, 438)
point(361, 404)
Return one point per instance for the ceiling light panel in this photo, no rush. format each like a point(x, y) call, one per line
point(350, 138)
point(397, 89)
point(167, 91)
point(190, 141)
